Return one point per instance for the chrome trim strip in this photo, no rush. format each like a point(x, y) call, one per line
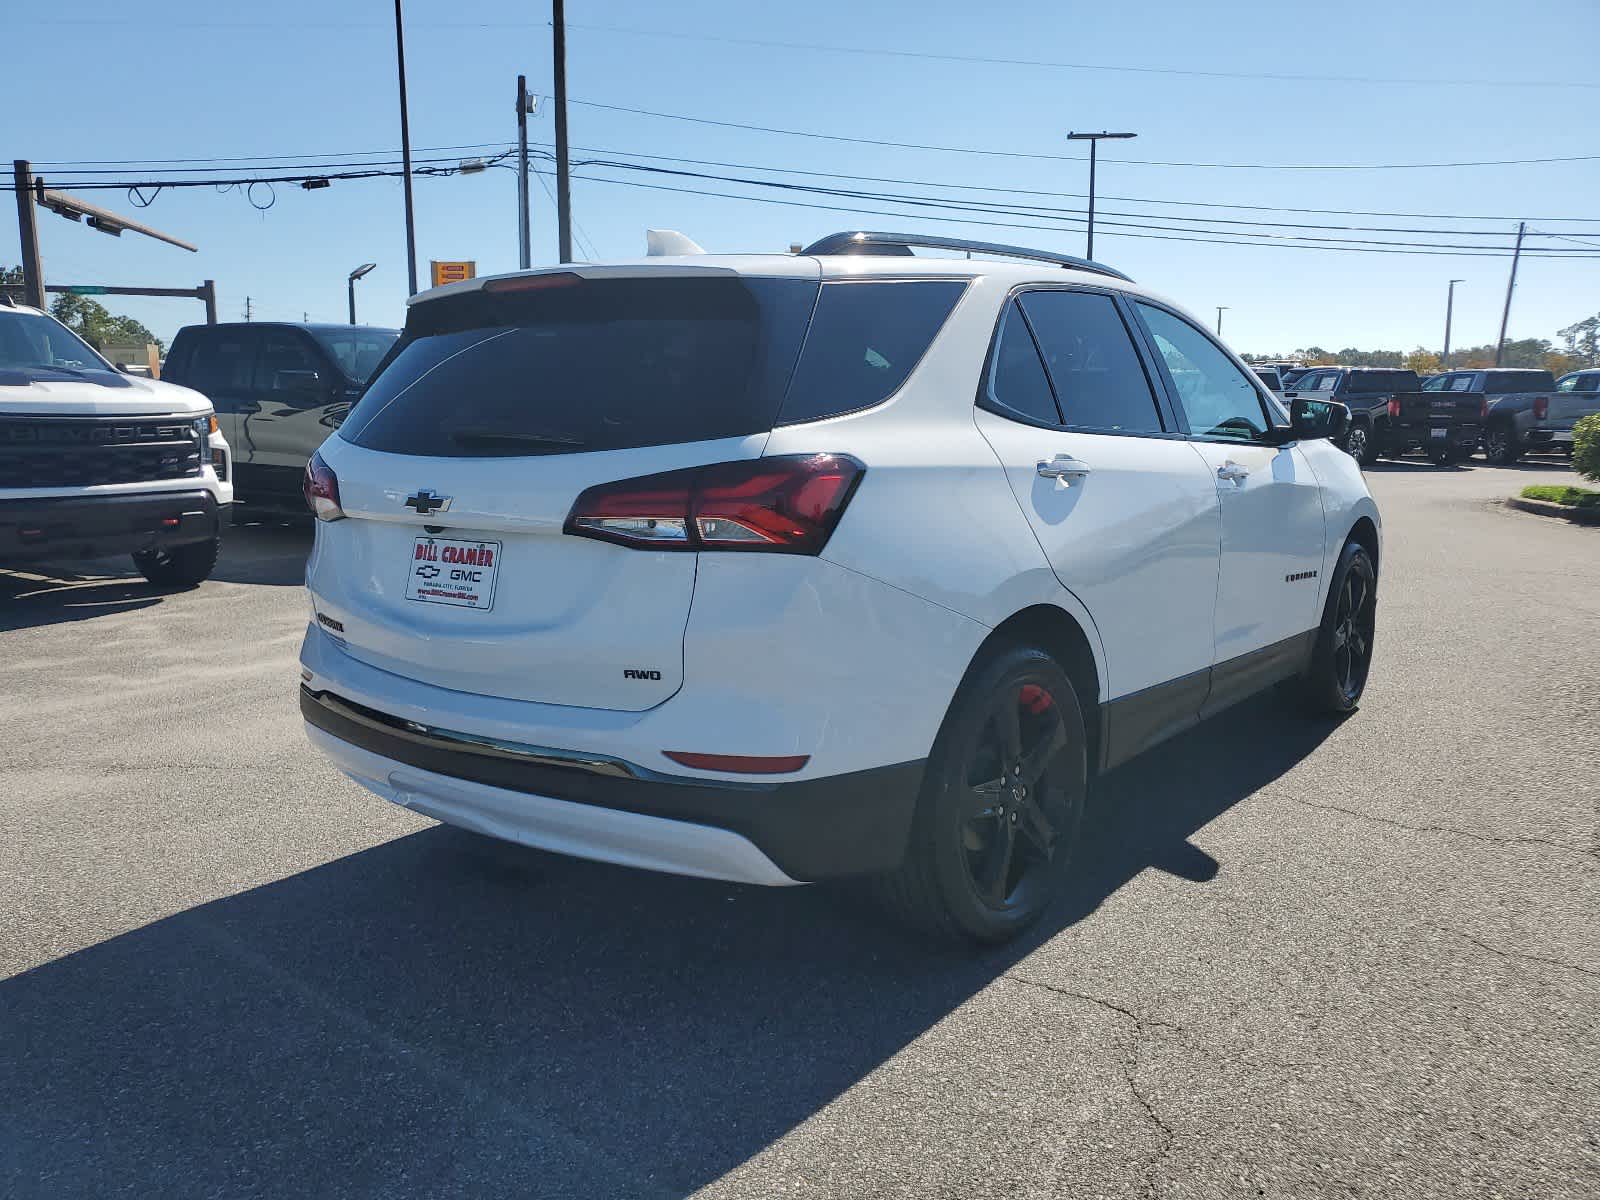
point(449, 739)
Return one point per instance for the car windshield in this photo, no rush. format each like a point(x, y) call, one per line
point(32, 340)
point(357, 349)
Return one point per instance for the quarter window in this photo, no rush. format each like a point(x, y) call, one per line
point(1017, 382)
point(1099, 381)
point(1217, 397)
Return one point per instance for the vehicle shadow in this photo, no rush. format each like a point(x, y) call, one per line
point(36, 594)
point(443, 1014)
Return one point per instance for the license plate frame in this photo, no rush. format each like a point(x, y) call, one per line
point(454, 572)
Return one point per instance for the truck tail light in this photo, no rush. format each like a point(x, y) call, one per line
point(784, 505)
point(1394, 408)
point(1541, 406)
point(1483, 409)
point(322, 490)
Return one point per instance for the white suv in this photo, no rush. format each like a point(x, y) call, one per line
point(851, 562)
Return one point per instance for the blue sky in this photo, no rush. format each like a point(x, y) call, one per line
point(183, 79)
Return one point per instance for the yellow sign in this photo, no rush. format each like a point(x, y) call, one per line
point(452, 272)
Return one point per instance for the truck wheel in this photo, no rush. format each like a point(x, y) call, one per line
point(997, 820)
point(178, 566)
point(1500, 445)
point(1342, 657)
point(1359, 445)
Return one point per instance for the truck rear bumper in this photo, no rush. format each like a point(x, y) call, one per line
point(1395, 439)
point(63, 527)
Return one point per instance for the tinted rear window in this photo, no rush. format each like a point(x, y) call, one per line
point(1503, 383)
point(864, 341)
point(587, 365)
point(1384, 381)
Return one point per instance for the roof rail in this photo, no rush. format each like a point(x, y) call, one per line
point(863, 242)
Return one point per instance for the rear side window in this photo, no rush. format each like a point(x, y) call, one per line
point(1099, 381)
point(587, 364)
point(1017, 382)
point(221, 361)
point(864, 340)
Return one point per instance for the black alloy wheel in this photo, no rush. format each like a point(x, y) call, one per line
point(997, 819)
point(1354, 623)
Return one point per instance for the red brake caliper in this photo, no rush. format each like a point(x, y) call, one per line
point(1035, 699)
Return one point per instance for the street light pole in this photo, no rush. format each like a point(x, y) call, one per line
point(1449, 309)
point(1221, 308)
point(1094, 140)
point(405, 149)
point(558, 22)
point(355, 275)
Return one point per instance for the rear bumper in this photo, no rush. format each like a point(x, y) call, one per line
point(765, 833)
point(1425, 436)
point(61, 527)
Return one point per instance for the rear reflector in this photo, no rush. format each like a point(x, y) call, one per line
point(783, 505)
point(743, 764)
point(321, 488)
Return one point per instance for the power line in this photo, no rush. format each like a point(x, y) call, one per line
point(939, 56)
point(1139, 162)
point(1217, 241)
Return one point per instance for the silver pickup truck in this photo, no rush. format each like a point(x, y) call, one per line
point(1525, 410)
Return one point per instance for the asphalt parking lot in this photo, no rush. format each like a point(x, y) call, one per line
point(1300, 959)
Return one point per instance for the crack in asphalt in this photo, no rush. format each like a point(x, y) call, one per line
point(1518, 954)
point(1492, 839)
point(1130, 1064)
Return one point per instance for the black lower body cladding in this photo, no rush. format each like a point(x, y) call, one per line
point(839, 825)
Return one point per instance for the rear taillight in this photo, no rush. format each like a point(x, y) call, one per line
point(1483, 409)
point(1394, 408)
point(786, 505)
point(1541, 406)
point(322, 490)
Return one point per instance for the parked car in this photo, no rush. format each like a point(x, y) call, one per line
point(716, 565)
point(279, 390)
point(95, 462)
point(1390, 414)
point(1270, 377)
point(1291, 375)
point(1524, 410)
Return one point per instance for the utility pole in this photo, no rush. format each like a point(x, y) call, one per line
point(28, 227)
point(1094, 141)
point(1449, 309)
point(1221, 308)
point(1511, 284)
point(405, 149)
point(524, 243)
point(558, 20)
point(247, 310)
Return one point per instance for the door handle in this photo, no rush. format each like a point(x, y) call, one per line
point(1063, 468)
point(1233, 472)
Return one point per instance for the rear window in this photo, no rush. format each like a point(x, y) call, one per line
point(582, 365)
point(1503, 383)
point(1384, 381)
point(863, 342)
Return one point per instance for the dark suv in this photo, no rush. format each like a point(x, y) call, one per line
point(279, 390)
point(1391, 414)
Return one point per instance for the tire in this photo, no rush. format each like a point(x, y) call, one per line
point(1341, 660)
point(990, 847)
point(1360, 445)
point(1500, 445)
point(179, 566)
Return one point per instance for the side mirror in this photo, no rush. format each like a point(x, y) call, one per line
point(1311, 419)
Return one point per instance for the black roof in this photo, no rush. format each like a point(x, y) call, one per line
point(308, 326)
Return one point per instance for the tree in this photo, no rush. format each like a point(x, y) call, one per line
point(1423, 362)
point(1581, 340)
point(95, 324)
